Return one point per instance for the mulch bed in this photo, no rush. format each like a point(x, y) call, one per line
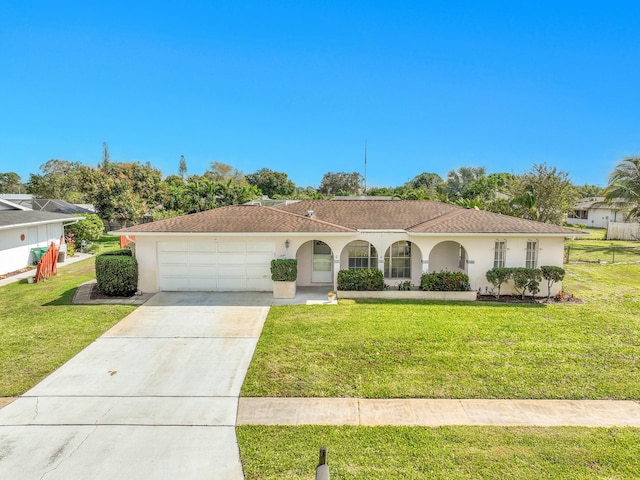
point(562, 297)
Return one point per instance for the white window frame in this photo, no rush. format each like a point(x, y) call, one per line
point(398, 256)
point(500, 254)
point(368, 261)
point(531, 259)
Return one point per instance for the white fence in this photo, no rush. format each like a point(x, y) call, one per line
point(623, 231)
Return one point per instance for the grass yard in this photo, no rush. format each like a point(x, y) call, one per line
point(399, 349)
point(596, 249)
point(40, 329)
point(383, 453)
point(448, 350)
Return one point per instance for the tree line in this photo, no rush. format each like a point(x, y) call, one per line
point(128, 192)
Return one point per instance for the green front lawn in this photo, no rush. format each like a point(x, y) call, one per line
point(40, 329)
point(459, 350)
point(383, 453)
point(446, 350)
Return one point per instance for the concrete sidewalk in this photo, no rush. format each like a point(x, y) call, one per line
point(432, 413)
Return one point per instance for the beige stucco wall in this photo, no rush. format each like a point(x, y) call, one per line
point(479, 249)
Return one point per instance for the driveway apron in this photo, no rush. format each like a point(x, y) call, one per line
point(154, 397)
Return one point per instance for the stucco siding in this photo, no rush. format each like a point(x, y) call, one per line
point(15, 253)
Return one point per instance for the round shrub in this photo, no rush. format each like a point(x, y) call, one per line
point(117, 273)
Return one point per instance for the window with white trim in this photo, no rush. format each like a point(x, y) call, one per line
point(362, 256)
point(500, 254)
point(397, 261)
point(532, 254)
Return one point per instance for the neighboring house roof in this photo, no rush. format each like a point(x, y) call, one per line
point(598, 202)
point(58, 206)
point(9, 205)
point(335, 216)
point(18, 218)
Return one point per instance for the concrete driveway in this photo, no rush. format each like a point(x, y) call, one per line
point(154, 397)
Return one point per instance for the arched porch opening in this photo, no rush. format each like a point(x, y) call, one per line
point(448, 256)
point(315, 263)
point(359, 255)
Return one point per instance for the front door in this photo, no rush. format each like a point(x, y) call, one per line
point(322, 263)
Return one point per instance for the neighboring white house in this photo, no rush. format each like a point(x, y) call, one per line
point(22, 229)
point(594, 212)
point(230, 248)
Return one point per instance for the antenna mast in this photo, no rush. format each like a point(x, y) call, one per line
point(365, 166)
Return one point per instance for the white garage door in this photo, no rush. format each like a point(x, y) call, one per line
point(201, 265)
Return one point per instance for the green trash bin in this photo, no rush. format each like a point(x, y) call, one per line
point(37, 253)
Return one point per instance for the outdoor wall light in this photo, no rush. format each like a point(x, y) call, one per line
point(286, 244)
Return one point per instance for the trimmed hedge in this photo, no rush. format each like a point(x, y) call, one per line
point(117, 273)
point(445, 282)
point(284, 270)
point(361, 280)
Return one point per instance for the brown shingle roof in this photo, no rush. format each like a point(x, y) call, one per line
point(414, 216)
point(419, 216)
point(238, 219)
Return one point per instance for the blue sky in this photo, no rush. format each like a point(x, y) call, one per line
point(299, 86)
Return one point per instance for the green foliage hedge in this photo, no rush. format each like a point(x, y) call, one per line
point(117, 273)
point(89, 229)
point(445, 282)
point(361, 280)
point(525, 279)
point(284, 270)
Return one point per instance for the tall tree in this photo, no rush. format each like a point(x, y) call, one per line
point(221, 172)
point(458, 179)
point(127, 191)
point(341, 183)
point(182, 168)
point(544, 194)
point(60, 180)
point(429, 183)
point(623, 189)
point(273, 184)
point(10, 182)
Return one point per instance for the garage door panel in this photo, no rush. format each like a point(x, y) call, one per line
point(203, 247)
point(174, 284)
point(175, 257)
point(260, 258)
point(232, 247)
point(173, 270)
point(173, 246)
point(231, 259)
point(203, 284)
point(232, 271)
point(260, 247)
point(257, 271)
point(204, 271)
point(203, 265)
point(203, 258)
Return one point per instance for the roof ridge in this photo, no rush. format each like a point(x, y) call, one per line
point(456, 211)
point(315, 220)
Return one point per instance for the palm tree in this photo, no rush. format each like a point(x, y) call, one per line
point(623, 189)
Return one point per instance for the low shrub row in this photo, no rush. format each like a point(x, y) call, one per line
point(525, 279)
point(360, 280)
point(445, 282)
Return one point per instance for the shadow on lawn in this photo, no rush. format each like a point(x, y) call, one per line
point(64, 299)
